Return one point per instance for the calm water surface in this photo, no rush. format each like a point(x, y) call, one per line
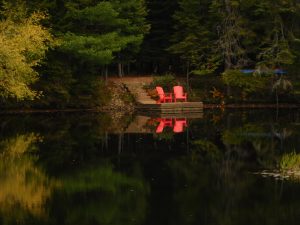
point(214, 169)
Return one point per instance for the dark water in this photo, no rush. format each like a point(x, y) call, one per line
point(94, 169)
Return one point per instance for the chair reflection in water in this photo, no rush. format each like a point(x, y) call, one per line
point(178, 127)
point(164, 122)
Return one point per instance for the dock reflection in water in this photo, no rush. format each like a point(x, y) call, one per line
point(160, 123)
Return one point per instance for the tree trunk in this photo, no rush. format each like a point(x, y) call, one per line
point(227, 6)
point(155, 68)
point(106, 140)
point(128, 68)
point(120, 70)
point(120, 143)
point(188, 76)
point(123, 73)
point(228, 60)
point(106, 73)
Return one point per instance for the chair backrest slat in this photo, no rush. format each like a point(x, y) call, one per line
point(178, 90)
point(160, 92)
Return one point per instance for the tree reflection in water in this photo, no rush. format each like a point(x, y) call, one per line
point(100, 195)
point(219, 193)
point(68, 170)
point(89, 191)
point(24, 186)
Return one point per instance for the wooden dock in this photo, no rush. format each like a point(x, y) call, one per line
point(148, 105)
point(170, 108)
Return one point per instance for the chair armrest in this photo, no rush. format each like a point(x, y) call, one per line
point(168, 94)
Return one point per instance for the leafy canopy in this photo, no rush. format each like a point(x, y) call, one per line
point(24, 42)
point(98, 31)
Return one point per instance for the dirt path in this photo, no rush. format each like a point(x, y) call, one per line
point(135, 86)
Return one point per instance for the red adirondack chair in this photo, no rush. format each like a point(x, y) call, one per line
point(163, 97)
point(179, 125)
point(162, 124)
point(178, 93)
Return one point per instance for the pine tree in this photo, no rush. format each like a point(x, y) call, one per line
point(233, 34)
point(104, 32)
point(192, 36)
point(154, 56)
point(276, 32)
point(133, 13)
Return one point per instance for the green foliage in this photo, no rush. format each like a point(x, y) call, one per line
point(56, 83)
point(100, 32)
point(119, 197)
point(154, 56)
point(217, 34)
point(193, 39)
point(239, 135)
point(248, 83)
point(167, 135)
point(206, 37)
point(290, 162)
point(282, 85)
point(24, 42)
point(276, 54)
point(103, 177)
point(94, 35)
point(89, 92)
point(208, 150)
point(95, 48)
point(167, 82)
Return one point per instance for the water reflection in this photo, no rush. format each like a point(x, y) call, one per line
point(24, 186)
point(227, 167)
point(62, 176)
point(100, 195)
point(178, 125)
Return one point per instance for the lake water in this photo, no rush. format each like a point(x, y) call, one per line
point(216, 168)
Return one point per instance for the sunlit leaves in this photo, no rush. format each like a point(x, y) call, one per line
point(23, 45)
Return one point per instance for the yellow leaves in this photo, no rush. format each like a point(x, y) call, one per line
point(217, 94)
point(24, 43)
point(16, 147)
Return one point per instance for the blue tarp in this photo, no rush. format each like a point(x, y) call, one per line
point(276, 71)
point(280, 71)
point(248, 71)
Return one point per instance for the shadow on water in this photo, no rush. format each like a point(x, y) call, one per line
point(231, 167)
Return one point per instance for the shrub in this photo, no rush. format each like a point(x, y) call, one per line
point(247, 83)
point(89, 92)
point(166, 82)
point(245, 87)
point(290, 161)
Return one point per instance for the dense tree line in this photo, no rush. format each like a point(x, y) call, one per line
point(91, 36)
point(60, 51)
point(234, 34)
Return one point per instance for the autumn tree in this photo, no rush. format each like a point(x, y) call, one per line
point(24, 42)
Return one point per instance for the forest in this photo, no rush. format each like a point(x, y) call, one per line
point(59, 54)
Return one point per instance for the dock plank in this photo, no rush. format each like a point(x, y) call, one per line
point(175, 107)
